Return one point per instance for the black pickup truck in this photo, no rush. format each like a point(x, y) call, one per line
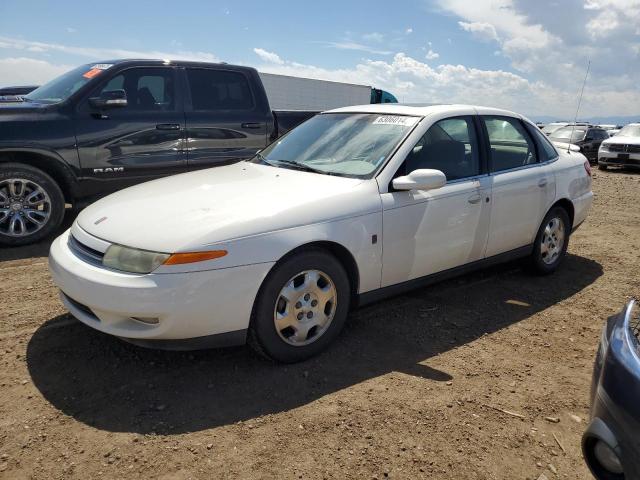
point(109, 125)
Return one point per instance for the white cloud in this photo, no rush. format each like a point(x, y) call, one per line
point(269, 57)
point(356, 46)
point(373, 37)
point(103, 53)
point(551, 42)
point(480, 30)
point(408, 31)
point(28, 71)
point(414, 81)
point(71, 30)
point(604, 24)
point(431, 55)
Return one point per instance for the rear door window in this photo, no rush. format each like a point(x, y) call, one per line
point(219, 90)
point(511, 145)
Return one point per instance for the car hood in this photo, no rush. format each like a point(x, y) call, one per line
point(190, 211)
point(622, 140)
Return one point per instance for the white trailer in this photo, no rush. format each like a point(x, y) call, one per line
point(297, 93)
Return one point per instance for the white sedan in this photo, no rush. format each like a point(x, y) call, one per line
point(353, 205)
point(621, 150)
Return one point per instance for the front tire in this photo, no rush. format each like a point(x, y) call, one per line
point(602, 167)
point(31, 204)
point(552, 240)
point(301, 307)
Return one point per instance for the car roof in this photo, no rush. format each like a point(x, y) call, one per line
point(418, 109)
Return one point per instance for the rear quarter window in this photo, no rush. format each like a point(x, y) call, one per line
point(546, 151)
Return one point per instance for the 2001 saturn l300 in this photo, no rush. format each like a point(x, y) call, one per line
point(353, 205)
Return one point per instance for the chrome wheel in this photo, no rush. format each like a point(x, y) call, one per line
point(25, 207)
point(305, 307)
point(552, 241)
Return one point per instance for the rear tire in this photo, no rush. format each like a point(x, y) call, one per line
point(301, 307)
point(552, 240)
point(31, 204)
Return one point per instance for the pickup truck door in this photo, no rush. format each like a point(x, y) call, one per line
point(120, 146)
point(225, 122)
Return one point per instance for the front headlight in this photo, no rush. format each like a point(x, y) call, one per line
point(133, 260)
point(604, 147)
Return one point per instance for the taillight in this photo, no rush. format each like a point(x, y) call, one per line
point(587, 167)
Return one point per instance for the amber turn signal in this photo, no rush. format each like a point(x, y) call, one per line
point(192, 257)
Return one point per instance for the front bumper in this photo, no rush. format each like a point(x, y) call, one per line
point(618, 159)
point(194, 305)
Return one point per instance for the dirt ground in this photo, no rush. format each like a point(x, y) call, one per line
point(482, 377)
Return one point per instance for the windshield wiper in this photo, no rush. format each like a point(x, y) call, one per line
point(303, 167)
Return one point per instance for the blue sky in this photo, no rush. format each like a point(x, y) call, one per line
point(516, 54)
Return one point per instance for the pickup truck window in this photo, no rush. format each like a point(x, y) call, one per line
point(347, 144)
point(213, 90)
point(147, 89)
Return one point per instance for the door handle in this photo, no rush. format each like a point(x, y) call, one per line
point(251, 125)
point(542, 183)
point(474, 199)
point(168, 126)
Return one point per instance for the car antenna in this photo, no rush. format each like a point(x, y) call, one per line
point(573, 127)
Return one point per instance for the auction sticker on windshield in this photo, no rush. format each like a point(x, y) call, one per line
point(399, 120)
point(97, 69)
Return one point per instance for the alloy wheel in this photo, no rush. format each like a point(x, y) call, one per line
point(552, 241)
point(25, 207)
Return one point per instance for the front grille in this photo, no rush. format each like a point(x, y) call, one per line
point(84, 252)
point(624, 148)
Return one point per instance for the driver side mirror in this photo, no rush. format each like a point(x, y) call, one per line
point(421, 179)
point(109, 99)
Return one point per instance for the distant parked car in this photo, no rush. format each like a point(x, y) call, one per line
point(611, 444)
point(353, 205)
point(623, 150)
point(19, 90)
point(549, 128)
point(587, 138)
point(14, 94)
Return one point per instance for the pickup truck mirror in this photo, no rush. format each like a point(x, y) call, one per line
point(109, 99)
point(422, 179)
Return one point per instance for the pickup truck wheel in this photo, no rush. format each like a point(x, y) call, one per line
point(31, 204)
point(551, 242)
point(301, 307)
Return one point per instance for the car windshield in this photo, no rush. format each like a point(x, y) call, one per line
point(345, 144)
point(62, 87)
point(629, 131)
point(565, 133)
